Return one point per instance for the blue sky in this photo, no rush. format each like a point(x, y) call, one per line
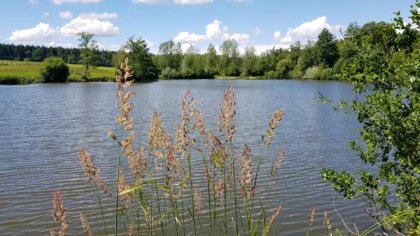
point(260, 23)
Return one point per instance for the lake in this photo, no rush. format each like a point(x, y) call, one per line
point(42, 126)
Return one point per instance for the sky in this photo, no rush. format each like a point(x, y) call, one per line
point(263, 24)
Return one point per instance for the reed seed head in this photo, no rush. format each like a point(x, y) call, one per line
point(246, 177)
point(327, 223)
point(85, 224)
point(137, 162)
point(275, 166)
point(312, 217)
point(226, 114)
point(59, 213)
point(122, 186)
point(270, 221)
point(272, 126)
point(92, 172)
point(157, 136)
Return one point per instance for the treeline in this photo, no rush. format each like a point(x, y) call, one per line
point(39, 53)
point(324, 59)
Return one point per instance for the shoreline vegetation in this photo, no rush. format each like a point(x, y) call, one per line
point(326, 58)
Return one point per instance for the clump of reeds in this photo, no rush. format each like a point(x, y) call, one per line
point(163, 194)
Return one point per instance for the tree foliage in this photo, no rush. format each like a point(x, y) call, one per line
point(141, 60)
point(54, 69)
point(387, 73)
point(88, 48)
point(326, 48)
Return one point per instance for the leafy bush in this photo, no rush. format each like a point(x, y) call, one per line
point(54, 69)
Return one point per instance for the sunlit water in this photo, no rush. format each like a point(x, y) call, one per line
point(43, 125)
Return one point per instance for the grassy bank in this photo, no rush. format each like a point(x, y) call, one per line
point(23, 72)
point(241, 77)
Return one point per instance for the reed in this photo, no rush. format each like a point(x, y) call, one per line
point(163, 194)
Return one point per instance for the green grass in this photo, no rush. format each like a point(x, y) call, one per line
point(23, 72)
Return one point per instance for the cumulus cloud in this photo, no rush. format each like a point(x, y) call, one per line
point(46, 14)
point(277, 35)
point(95, 23)
point(185, 2)
point(214, 30)
point(92, 25)
point(186, 37)
point(66, 15)
point(99, 16)
point(40, 32)
point(306, 31)
point(59, 2)
point(237, 37)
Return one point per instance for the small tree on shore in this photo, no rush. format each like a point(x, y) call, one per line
point(88, 48)
point(54, 69)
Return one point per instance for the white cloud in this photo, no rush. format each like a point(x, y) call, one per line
point(277, 35)
point(59, 2)
point(307, 31)
point(99, 16)
point(94, 26)
point(147, 1)
point(32, 1)
point(185, 2)
point(40, 32)
point(186, 37)
point(238, 37)
point(94, 23)
point(66, 15)
point(214, 30)
point(57, 44)
point(46, 14)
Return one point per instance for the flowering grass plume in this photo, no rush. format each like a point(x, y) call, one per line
point(246, 176)
point(59, 214)
point(226, 114)
point(270, 222)
point(274, 170)
point(272, 126)
point(92, 172)
point(85, 224)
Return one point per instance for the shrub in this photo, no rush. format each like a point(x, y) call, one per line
point(54, 69)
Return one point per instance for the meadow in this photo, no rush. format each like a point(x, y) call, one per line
point(27, 72)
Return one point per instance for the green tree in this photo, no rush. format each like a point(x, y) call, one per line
point(229, 61)
point(170, 55)
point(211, 61)
point(389, 116)
point(118, 57)
point(88, 47)
point(141, 60)
point(327, 49)
point(249, 62)
point(54, 69)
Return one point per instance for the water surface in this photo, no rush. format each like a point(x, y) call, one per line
point(43, 125)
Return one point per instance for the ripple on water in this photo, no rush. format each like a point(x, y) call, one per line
point(42, 127)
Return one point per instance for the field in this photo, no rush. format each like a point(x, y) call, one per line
point(25, 72)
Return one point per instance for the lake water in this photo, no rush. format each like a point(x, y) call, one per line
point(43, 125)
